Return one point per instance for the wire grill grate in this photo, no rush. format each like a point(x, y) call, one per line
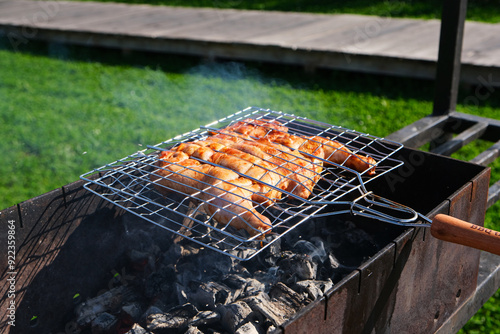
point(128, 184)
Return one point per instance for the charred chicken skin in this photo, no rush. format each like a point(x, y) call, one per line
point(247, 164)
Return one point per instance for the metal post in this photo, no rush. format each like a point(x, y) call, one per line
point(449, 59)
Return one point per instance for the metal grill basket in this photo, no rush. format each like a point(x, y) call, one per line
point(128, 183)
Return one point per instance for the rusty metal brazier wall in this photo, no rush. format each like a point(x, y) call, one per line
point(68, 241)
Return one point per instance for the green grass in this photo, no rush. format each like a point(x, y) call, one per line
point(65, 111)
point(486, 320)
point(478, 10)
point(79, 109)
point(63, 118)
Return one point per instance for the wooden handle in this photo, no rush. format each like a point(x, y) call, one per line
point(454, 230)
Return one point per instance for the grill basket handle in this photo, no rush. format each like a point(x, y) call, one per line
point(457, 231)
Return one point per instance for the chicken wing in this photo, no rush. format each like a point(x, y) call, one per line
point(320, 147)
point(224, 194)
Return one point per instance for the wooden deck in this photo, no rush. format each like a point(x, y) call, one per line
point(405, 47)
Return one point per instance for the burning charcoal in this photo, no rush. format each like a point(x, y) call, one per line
point(204, 318)
point(216, 264)
point(287, 296)
point(332, 268)
point(316, 251)
point(132, 312)
point(333, 262)
point(137, 329)
point(189, 250)
point(141, 261)
point(187, 272)
point(265, 279)
point(271, 329)
point(242, 253)
point(160, 282)
point(253, 286)
point(250, 286)
point(176, 318)
point(241, 270)
point(151, 310)
point(233, 315)
point(299, 266)
point(177, 251)
point(248, 328)
point(209, 295)
point(193, 330)
point(235, 281)
point(105, 323)
point(181, 294)
point(111, 300)
point(313, 288)
point(273, 252)
point(142, 240)
point(237, 284)
point(173, 253)
point(274, 311)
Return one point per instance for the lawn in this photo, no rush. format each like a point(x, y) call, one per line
point(74, 114)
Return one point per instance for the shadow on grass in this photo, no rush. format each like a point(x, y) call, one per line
point(390, 87)
point(294, 76)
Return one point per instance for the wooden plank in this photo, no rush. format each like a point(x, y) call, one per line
point(167, 21)
point(112, 22)
point(359, 38)
point(74, 18)
point(142, 22)
point(426, 49)
point(481, 44)
point(38, 14)
point(493, 132)
point(301, 34)
point(240, 27)
point(391, 39)
point(208, 26)
point(17, 11)
point(227, 25)
point(475, 35)
point(486, 57)
point(7, 5)
point(423, 43)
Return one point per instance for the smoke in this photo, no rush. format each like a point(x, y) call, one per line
point(315, 250)
point(226, 86)
point(169, 103)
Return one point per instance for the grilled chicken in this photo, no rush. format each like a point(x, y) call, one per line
point(224, 194)
point(250, 163)
point(332, 151)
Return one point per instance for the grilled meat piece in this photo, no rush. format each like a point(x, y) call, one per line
point(250, 163)
point(320, 147)
point(265, 175)
point(272, 166)
point(224, 194)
